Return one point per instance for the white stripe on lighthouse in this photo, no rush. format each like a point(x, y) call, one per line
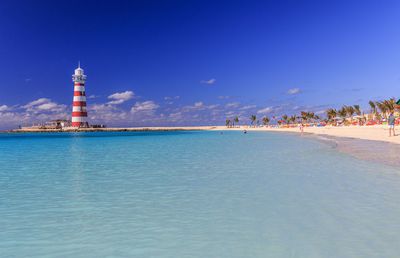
point(79, 88)
point(80, 119)
point(78, 109)
point(79, 98)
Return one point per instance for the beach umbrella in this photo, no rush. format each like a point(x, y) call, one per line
point(356, 117)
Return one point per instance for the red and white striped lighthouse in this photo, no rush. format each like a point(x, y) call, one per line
point(79, 112)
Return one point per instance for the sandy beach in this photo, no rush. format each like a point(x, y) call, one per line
point(372, 133)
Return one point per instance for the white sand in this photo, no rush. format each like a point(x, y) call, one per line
point(373, 133)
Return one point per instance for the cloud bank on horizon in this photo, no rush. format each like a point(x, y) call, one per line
point(121, 109)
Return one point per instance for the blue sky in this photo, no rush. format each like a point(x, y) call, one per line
point(195, 62)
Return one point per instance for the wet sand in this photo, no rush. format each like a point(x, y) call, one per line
point(375, 151)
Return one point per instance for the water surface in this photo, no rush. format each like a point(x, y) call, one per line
point(192, 194)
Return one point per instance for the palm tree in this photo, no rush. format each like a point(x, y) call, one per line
point(235, 120)
point(342, 112)
point(373, 107)
point(357, 110)
point(378, 116)
point(265, 120)
point(311, 116)
point(390, 104)
point(349, 110)
point(331, 114)
point(253, 119)
point(304, 116)
point(285, 118)
point(227, 122)
point(382, 107)
point(293, 119)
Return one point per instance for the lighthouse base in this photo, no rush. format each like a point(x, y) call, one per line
point(80, 124)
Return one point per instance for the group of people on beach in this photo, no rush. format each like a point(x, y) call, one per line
point(391, 123)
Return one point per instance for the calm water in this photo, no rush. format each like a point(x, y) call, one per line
point(192, 194)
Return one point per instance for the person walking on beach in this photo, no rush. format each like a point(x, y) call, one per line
point(301, 126)
point(391, 122)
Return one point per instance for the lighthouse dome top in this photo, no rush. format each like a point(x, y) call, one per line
point(78, 71)
point(79, 75)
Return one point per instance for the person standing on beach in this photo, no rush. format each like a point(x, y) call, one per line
point(391, 122)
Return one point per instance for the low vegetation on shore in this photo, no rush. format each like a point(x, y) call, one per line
point(346, 115)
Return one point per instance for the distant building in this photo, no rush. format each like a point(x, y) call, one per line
point(59, 123)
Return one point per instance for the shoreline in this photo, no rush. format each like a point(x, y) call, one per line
point(363, 142)
point(372, 133)
point(377, 133)
point(114, 129)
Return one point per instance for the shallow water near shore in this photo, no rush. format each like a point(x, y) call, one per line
point(193, 194)
point(375, 151)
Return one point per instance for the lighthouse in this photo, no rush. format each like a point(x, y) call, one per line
point(79, 112)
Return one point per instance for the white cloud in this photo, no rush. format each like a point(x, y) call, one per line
point(47, 106)
point(213, 106)
point(36, 102)
point(265, 110)
point(104, 113)
point(4, 108)
point(209, 82)
point(120, 97)
point(199, 106)
point(101, 107)
point(293, 91)
point(248, 107)
point(223, 97)
point(37, 111)
point(92, 96)
point(232, 105)
point(146, 106)
point(171, 98)
point(44, 104)
point(175, 116)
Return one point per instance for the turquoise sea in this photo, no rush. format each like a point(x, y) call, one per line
point(192, 194)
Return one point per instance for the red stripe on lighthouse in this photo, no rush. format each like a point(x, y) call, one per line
point(83, 114)
point(79, 114)
point(79, 103)
point(79, 93)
